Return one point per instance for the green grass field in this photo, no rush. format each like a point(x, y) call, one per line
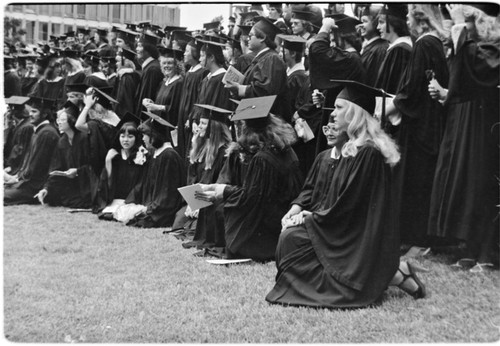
point(74, 278)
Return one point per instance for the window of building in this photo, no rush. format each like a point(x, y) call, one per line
point(43, 33)
point(128, 13)
point(80, 11)
point(56, 29)
point(56, 10)
point(103, 12)
point(116, 11)
point(68, 11)
point(92, 12)
point(43, 9)
point(30, 31)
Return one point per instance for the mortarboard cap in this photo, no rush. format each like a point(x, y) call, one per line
point(71, 108)
point(181, 35)
point(254, 108)
point(345, 23)
point(62, 38)
point(102, 32)
point(214, 113)
point(128, 54)
point(293, 42)
point(491, 9)
point(17, 100)
point(143, 25)
point(151, 39)
point(248, 17)
point(83, 31)
point(245, 29)
point(126, 35)
point(110, 59)
point(256, 7)
point(40, 102)
point(69, 53)
point(231, 19)
point(53, 38)
point(157, 124)
point(267, 27)
point(128, 118)
point(131, 26)
point(103, 98)
point(360, 94)
point(24, 57)
point(303, 14)
point(76, 88)
point(43, 61)
point(211, 25)
point(396, 10)
point(70, 34)
point(171, 53)
point(170, 28)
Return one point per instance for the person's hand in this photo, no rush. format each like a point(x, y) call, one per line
point(71, 173)
point(207, 193)
point(146, 102)
point(233, 87)
point(300, 217)
point(294, 210)
point(186, 125)
point(89, 100)
point(41, 196)
point(328, 24)
point(318, 98)
point(436, 91)
point(456, 13)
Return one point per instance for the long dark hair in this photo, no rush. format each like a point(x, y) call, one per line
point(130, 128)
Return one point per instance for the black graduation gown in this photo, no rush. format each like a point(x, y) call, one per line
point(51, 90)
point(35, 168)
point(20, 145)
point(151, 77)
point(125, 88)
point(210, 225)
point(244, 61)
point(331, 63)
point(267, 76)
point(125, 175)
point(75, 192)
point(170, 96)
point(27, 85)
point(97, 80)
point(372, 57)
point(296, 81)
point(419, 137)
point(189, 95)
point(157, 190)
point(345, 255)
point(11, 84)
point(318, 181)
point(253, 211)
point(77, 78)
point(391, 71)
point(465, 189)
point(100, 140)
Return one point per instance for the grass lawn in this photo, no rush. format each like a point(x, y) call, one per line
point(74, 278)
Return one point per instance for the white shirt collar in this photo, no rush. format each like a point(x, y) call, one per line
point(146, 62)
point(216, 73)
point(57, 79)
point(297, 67)
point(161, 149)
point(335, 154)
point(195, 68)
point(402, 39)
point(45, 122)
point(373, 39)
point(171, 80)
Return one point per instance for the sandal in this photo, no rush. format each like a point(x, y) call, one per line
point(420, 291)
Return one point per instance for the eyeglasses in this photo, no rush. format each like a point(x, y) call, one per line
point(327, 130)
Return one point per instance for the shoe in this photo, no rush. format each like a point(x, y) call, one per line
point(420, 291)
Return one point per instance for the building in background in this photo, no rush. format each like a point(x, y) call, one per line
point(41, 21)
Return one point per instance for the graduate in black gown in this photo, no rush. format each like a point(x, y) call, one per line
point(30, 76)
point(421, 124)
point(346, 253)
point(327, 62)
point(11, 81)
point(206, 158)
point(392, 27)
point(51, 86)
point(465, 189)
point(166, 102)
point(96, 78)
point(155, 199)
point(18, 136)
point(75, 73)
point(98, 121)
point(253, 210)
point(126, 82)
point(189, 95)
point(70, 178)
point(124, 166)
point(267, 73)
point(374, 48)
point(151, 75)
point(22, 187)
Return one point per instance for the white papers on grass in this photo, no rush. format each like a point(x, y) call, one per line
point(188, 192)
point(228, 261)
point(233, 75)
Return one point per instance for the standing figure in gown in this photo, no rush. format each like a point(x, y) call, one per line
point(346, 252)
point(464, 202)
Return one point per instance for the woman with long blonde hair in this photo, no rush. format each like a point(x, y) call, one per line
point(346, 252)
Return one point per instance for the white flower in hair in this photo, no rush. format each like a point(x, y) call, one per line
point(141, 156)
